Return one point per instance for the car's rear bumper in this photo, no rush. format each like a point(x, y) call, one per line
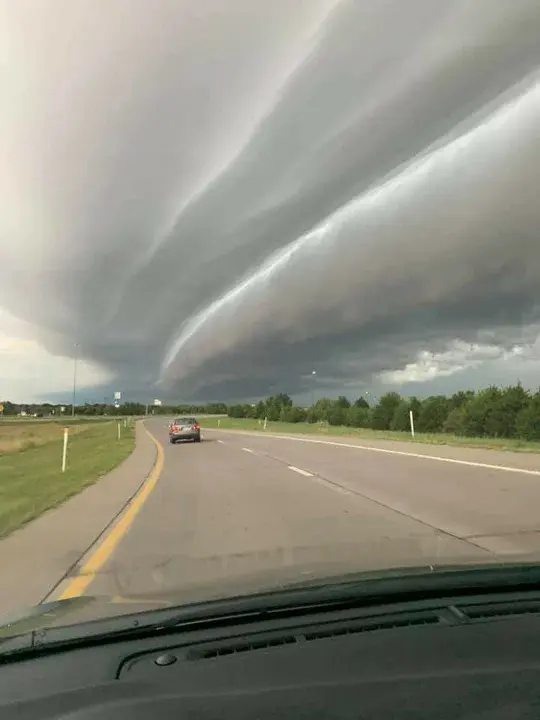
point(184, 436)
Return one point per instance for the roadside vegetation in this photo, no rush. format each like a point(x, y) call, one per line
point(323, 429)
point(31, 480)
point(503, 418)
point(510, 413)
point(22, 434)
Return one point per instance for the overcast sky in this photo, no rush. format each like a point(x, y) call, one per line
point(221, 197)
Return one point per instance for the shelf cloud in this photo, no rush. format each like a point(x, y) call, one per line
point(214, 201)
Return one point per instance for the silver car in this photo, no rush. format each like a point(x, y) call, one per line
point(184, 428)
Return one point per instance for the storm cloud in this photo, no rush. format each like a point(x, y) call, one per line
point(221, 197)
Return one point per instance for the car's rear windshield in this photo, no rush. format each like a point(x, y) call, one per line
point(185, 421)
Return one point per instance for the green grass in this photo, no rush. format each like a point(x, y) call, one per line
point(62, 420)
point(367, 435)
point(31, 480)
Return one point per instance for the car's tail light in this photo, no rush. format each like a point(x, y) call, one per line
point(197, 427)
point(174, 428)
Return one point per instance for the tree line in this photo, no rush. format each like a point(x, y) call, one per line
point(49, 410)
point(510, 412)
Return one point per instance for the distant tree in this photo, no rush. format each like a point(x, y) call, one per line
point(337, 414)
point(250, 410)
point(283, 400)
point(508, 404)
point(322, 408)
point(237, 411)
point(342, 402)
point(214, 409)
point(400, 420)
point(383, 412)
point(294, 414)
point(433, 414)
point(455, 422)
point(88, 409)
point(528, 420)
point(273, 408)
point(132, 409)
point(10, 408)
point(478, 411)
point(358, 416)
point(461, 398)
point(416, 406)
point(361, 402)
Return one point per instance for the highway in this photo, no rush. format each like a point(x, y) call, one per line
point(250, 508)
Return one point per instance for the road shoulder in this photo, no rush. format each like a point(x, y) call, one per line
point(35, 558)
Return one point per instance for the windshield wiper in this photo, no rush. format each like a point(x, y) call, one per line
point(19, 631)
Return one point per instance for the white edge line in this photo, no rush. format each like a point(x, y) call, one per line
point(470, 463)
point(248, 450)
point(222, 442)
point(300, 471)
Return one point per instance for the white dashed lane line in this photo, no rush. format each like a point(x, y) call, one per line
point(300, 471)
point(249, 450)
point(402, 453)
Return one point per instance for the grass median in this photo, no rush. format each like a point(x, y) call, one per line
point(31, 480)
point(322, 430)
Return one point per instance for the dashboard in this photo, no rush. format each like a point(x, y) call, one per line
point(325, 668)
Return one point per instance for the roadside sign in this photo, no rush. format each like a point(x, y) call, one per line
point(157, 402)
point(1, 408)
point(116, 404)
point(117, 395)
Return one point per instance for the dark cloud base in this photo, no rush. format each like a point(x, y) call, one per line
point(211, 164)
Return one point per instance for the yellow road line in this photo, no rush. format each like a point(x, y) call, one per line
point(108, 544)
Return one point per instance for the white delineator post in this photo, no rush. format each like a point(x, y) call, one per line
point(218, 422)
point(265, 423)
point(64, 451)
point(411, 418)
point(119, 426)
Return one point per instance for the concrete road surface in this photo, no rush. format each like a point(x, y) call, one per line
point(239, 506)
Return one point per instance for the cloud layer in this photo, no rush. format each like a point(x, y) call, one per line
point(226, 198)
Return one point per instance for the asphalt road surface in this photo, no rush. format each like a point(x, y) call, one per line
point(243, 507)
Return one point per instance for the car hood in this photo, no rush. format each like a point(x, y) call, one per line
point(122, 609)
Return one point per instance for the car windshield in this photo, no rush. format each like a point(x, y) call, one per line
point(269, 308)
